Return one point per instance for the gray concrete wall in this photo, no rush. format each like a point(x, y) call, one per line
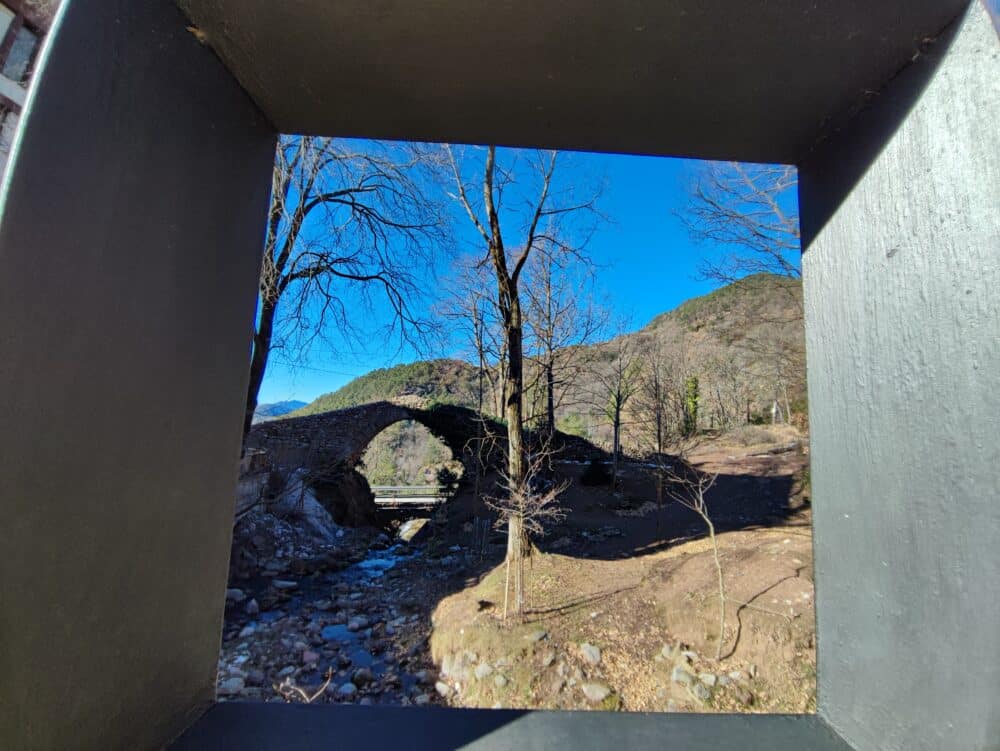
point(902, 289)
point(132, 222)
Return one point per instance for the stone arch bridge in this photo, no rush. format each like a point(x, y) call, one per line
point(329, 446)
point(340, 437)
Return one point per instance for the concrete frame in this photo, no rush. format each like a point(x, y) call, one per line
point(131, 223)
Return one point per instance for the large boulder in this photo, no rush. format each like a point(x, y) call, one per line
point(347, 497)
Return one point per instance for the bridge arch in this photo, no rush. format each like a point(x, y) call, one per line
point(339, 438)
point(330, 446)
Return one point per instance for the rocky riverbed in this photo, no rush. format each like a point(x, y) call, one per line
point(622, 604)
point(350, 606)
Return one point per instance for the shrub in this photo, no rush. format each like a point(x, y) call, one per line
point(749, 435)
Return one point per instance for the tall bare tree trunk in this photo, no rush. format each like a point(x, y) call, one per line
point(616, 447)
point(722, 587)
point(514, 413)
point(550, 396)
point(258, 363)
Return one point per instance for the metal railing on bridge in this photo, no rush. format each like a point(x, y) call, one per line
point(418, 496)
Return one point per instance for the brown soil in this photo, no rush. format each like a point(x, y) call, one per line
point(632, 580)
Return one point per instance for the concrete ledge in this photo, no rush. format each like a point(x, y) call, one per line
point(290, 727)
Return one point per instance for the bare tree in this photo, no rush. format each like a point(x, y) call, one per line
point(751, 210)
point(659, 406)
point(473, 310)
point(688, 486)
point(749, 214)
point(543, 204)
point(562, 317)
point(660, 399)
point(615, 386)
point(533, 502)
point(731, 392)
point(347, 225)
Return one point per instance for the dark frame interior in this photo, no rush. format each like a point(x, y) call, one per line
point(130, 230)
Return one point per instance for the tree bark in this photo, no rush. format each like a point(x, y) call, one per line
point(615, 447)
point(550, 395)
point(514, 410)
point(258, 363)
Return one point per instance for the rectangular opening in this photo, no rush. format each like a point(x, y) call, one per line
point(665, 429)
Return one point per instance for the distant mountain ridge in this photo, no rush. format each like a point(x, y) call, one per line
point(266, 412)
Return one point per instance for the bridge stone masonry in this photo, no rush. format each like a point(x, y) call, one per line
point(340, 437)
point(329, 446)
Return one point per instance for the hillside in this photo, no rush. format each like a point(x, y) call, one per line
point(738, 310)
point(744, 342)
point(441, 381)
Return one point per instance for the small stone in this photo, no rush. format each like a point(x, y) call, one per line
point(443, 689)
point(548, 658)
point(362, 677)
point(744, 696)
point(308, 656)
point(422, 700)
point(595, 692)
point(286, 671)
point(682, 676)
point(709, 679)
point(235, 595)
point(367, 702)
point(424, 677)
point(252, 607)
point(724, 680)
point(701, 692)
point(348, 689)
point(500, 681)
point(231, 686)
point(752, 671)
point(357, 623)
point(590, 653)
point(667, 652)
point(284, 584)
point(688, 655)
point(247, 631)
point(256, 677)
point(447, 664)
point(497, 705)
point(736, 675)
point(536, 635)
point(483, 670)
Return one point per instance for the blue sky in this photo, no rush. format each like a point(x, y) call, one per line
point(649, 265)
